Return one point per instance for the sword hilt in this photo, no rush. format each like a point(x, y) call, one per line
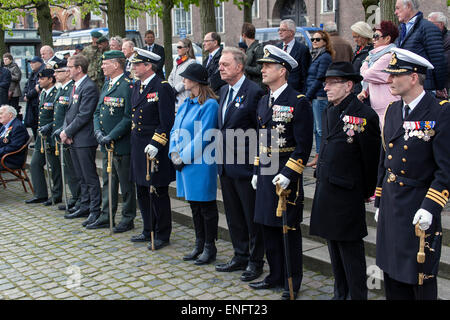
point(56, 147)
point(42, 143)
point(110, 152)
point(421, 254)
point(282, 194)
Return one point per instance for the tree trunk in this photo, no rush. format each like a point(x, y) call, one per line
point(116, 18)
point(387, 9)
point(167, 33)
point(2, 42)
point(366, 4)
point(44, 19)
point(207, 16)
point(248, 10)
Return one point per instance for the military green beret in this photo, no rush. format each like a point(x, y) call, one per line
point(113, 54)
point(102, 39)
point(96, 34)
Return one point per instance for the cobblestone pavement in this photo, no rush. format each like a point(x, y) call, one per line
point(44, 256)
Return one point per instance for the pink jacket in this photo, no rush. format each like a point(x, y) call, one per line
point(378, 91)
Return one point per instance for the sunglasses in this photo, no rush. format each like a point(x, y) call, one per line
point(316, 39)
point(377, 36)
point(180, 47)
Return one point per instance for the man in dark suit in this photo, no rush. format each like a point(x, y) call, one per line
point(346, 177)
point(153, 114)
point(238, 102)
point(413, 181)
point(5, 83)
point(285, 134)
point(157, 49)
point(13, 135)
point(78, 131)
point(211, 44)
point(298, 51)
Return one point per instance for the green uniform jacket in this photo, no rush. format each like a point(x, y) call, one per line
point(46, 108)
point(113, 115)
point(61, 104)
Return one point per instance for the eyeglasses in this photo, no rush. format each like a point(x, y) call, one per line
point(325, 83)
point(377, 36)
point(282, 30)
point(316, 39)
point(208, 40)
point(180, 47)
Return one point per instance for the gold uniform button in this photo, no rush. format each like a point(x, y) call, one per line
point(405, 147)
point(389, 169)
point(404, 159)
point(403, 172)
point(263, 127)
point(101, 122)
point(401, 184)
point(389, 157)
point(140, 111)
point(140, 117)
point(139, 123)
point(134, 109)
point(391, 145)
point(139, 129)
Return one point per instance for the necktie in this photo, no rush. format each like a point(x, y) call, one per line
point(407, 110)
point(285, 47)
point(73, 90)
point(209, 59)
point(271, 101)
point(230, 98)
point(402, 31)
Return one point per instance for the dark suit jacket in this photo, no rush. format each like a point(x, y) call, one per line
point(297, 76)
point(78, 123)
point(346, 173)
point(239, 115)
point(215, 81)
point(15, 139)
point(159, 50)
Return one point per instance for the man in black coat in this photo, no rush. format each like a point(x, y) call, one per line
point(78, 131)
point(211, 44)
point(413, 181)
point(346, 178)
point(153, 114)
point(5, 82)
point(157, 49)
point(31, 95)
point(298, 51)
point(237, 114)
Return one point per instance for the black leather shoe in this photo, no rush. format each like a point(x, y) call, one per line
point(198, 249)
point(49, 202)
point(91, 219)
point(77, 214)
point(75, 208)
point(62, 207)
point(36, 200)
point(231, 266)
point(251, 273)
point(158, 244)
point(261, 285)
point(208, 255)
point(140, 238)
point(123, 227)
point(99, 225)
point(286, 295)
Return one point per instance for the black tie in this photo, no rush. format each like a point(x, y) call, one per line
point(407, 109)
point(285, 47)
point(230, 97)
point(271, 101)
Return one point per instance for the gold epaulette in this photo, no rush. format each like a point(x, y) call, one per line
point(440, 198)
point(256, 162)
point(300, 96)
point(297, 166)
point(165, 81)
point(160, 138)
point(443, 102)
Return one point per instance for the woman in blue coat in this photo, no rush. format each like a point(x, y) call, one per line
point(195, 165)
point(322, 54)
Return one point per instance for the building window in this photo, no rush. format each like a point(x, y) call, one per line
point(219, 18)
point(327, 6)
point(182, 21)
point(152, 23)
point(255, 9)
point(131, 24)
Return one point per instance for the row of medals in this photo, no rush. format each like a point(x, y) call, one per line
point(421, 134)
point(355, 127)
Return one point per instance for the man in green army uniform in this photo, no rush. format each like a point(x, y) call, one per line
point(112, 126)
point(45, 125)
point(103, 46)
point(93, 53)
point(62, 76)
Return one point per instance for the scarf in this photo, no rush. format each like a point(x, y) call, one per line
point(316, 52)
point(182, 59)
point(373, 57)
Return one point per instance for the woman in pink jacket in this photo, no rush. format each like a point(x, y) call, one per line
point(375, 83)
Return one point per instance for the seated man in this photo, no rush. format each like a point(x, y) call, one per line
point(13, 135)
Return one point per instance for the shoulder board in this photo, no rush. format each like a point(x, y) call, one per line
point(165, 81)
point(443, 102)
point(300, 96)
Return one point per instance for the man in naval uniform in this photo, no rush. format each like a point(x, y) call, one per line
point(285, 131)
point(112, 123)
point(153, 114)
point(413, 181)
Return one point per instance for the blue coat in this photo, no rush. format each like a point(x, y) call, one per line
point(197, 181)
point(318, 68)
point(13, 141)
point(425, 39)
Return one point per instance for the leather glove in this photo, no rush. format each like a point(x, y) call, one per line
point(424, 218)
point(281, 180)
point(151, 150)
point(98, 136)
point(254, 181)
point(376, 215)
point(179, 167)
point(105, 140)
point(45, 130)
point(56, 133)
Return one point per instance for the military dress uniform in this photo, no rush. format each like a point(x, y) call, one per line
point(113, 118)
point(413, 174)
point(153, 114)
point(46, 108)
point(60, 107)
point(288, 119)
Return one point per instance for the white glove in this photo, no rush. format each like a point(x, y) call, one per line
point(281, 180)
point(254, 181)
point(376, 215)
point(151, 150)
point(175, 157)
point(424, 218)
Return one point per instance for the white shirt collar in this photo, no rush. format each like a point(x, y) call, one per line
point(278, 92)
point(290, 45)
point(146, 81)
point(80, 81)
point(48, 90)
point(415, 102)
point(237, 85)
point(214, 52)
point(114, 80)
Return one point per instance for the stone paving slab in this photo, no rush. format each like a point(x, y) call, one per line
point(44, 256)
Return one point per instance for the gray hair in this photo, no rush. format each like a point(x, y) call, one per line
point(238, 55)
point(414, 4)
point(118, 39)
point(290, 24)
point(330, 26)
point(9, 109)
point(128, 43)
point(439, 16)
